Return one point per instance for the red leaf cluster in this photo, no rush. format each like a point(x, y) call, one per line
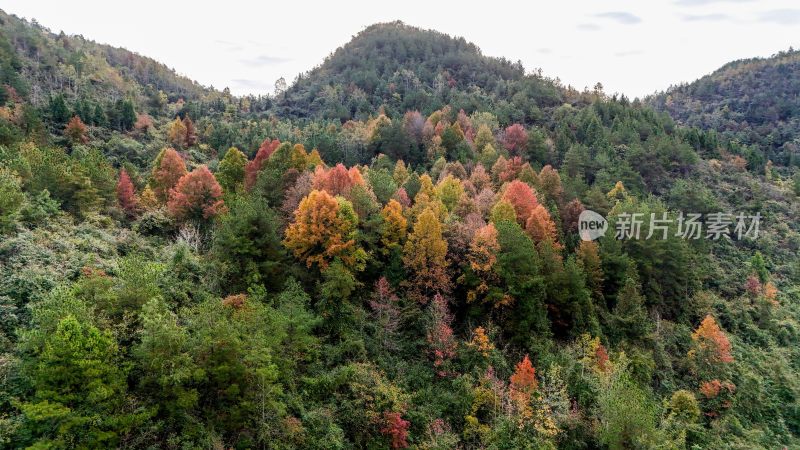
point(515, 139)
point(169, 170)
point(262, 155)
point(126, 195)
point(396, 428)
point(440, 335)
point(197, 195)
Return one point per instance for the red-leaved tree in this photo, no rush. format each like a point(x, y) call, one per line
point(262, 155)
point(169, 168)
point(126, 196)
point(523, 198)
point(515, 139)
point(385, 312)
point(197, 196)
point(441, 341)
point(396, 428)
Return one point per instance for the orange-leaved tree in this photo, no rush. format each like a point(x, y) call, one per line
point(169, 168)
point(75, 131)
point(540, 225)
point(322, 231)
point(711, 349)
point(523, 198)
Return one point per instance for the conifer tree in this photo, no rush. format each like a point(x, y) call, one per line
point(231, 170)
point(75, 131)
point(168, 169)
point(196, 197)
point(126, 196)
point(424, 256)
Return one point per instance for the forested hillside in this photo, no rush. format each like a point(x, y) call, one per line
point(384, 255)
point(402, 68)
point(753, 101)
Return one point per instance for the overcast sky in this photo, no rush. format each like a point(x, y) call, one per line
point(633, 47)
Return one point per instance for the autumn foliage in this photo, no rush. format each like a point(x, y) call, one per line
point(385, 312)
point(262, 155)
point(395, 225)
point(532, 215)
point(482, 257)
point(126, 196)
point(75, 131)
point(319, 233)
point(710, 346)
point(191, 132)
point(484, 248)
point(169, 168)
point(523, 380)
point(177, 133)
point(337, 180)
point(424, 255)
point(515, 139)
point(717, 396)
point(196, 196)
point(523, 198)
point(396, 428)
point(540, 225)
point(441, 341)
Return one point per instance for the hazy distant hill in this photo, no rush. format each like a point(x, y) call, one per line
point(39, 64)
point(756, 101)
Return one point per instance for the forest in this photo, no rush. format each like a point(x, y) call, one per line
point(385, 254)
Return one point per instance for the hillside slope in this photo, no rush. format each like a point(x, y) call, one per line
point(244, 273)
point(755, 101)
point(39, 64)
point(401, 68)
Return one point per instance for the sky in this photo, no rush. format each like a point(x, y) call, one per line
point(632, 47)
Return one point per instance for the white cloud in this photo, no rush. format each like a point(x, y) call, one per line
point(621, 17)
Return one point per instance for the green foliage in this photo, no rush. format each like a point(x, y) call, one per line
point(397, 326)
point(11, 197)
point(518, 266)
point(230, 173)
point(382, 183)
point(627, 415)
point(246, 246)
point(80, 391)
point(744, 101)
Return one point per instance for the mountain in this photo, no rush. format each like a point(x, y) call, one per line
point(386, 255)
point(401, 67)
point(754, 101)
point(40, 65)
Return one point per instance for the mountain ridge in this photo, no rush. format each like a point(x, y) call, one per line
point(755, 101)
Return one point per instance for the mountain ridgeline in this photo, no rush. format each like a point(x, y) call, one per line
point(401, 68)
point(386, 254)
point(752, 101)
